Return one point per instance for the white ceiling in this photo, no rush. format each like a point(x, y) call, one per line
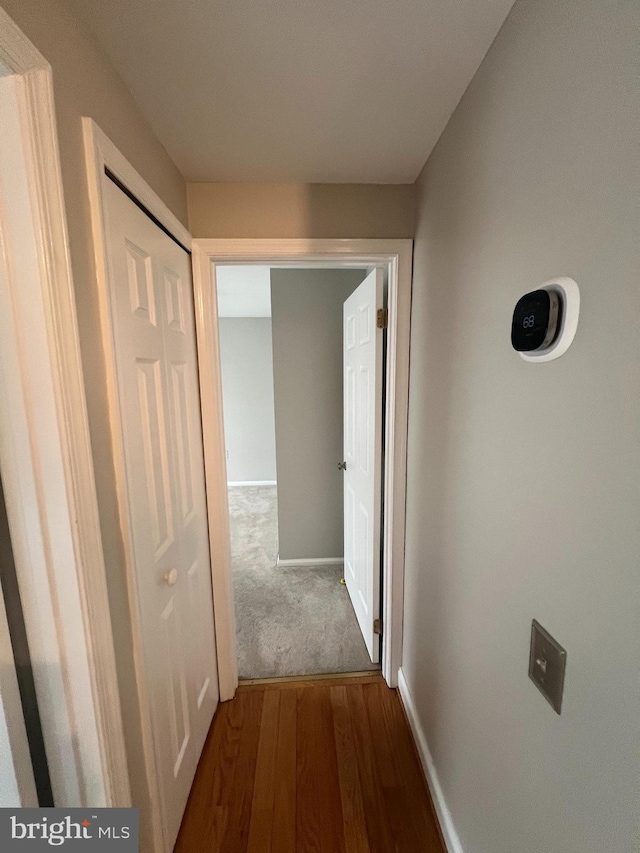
point(243, 291)
point(297, 90)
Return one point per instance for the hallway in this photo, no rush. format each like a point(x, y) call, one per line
point(317, 765)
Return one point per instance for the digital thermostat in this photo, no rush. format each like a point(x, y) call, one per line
point(545, 321)
point(535, 321)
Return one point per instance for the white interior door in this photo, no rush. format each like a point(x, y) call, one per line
point(154, 337)
point(362, 377)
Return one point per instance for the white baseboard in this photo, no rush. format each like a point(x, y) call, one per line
point(449, 833)
point(251, 483)
point(305, 563)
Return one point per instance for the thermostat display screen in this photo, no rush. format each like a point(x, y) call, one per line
point(534, 321)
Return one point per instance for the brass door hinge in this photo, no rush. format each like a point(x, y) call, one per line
point(377, 626)
point(383, 318)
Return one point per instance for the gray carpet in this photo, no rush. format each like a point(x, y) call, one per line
point(289, 621)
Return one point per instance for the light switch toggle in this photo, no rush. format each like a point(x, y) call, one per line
point(541, 662)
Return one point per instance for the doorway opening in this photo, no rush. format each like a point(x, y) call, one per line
point(284, 335)
point(391, 261)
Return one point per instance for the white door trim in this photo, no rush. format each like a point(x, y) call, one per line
point(45, 455)
point(396, 257)
point(100, 152)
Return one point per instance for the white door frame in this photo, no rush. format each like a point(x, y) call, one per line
point(396, 257)
point(45, 451)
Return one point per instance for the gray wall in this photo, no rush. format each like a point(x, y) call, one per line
point(301, 210)
point(523, 495)
point(247, 389)
point(306, 308)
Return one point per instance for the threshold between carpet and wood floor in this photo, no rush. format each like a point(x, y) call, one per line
point(289, 621)
point(322, 765)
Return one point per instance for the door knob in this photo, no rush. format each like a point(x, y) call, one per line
point(342, 466)
point(170, 577)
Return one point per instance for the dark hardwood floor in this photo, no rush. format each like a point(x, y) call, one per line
point(325, 765)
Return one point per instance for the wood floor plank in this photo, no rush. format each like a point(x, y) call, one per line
point(319, 821)
point(395, 796)
point(355, 824)
point(310, 768)
point(383, 757)
point(284, 809)
point(382, 838)
point(225, 757)
point(261, 827)
point(239, 795)
point(420, 807)
point(202, 817)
